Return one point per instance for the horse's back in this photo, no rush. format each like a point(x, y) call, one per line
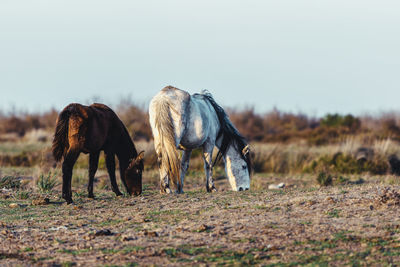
point(174, 95)
point(192, 116)
point(91, 127)
point(177, 102)
point(202, 123)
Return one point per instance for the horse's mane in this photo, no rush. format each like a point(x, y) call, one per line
point(230, 135)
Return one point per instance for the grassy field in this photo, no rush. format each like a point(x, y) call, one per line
point(353, 221)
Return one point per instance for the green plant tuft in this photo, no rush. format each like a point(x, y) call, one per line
point(47, 182)
point(10, 182)
point(324, 179)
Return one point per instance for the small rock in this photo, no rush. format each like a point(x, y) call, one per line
point(150, 233)
point(272, 247)
point(13, 205)
point(105, 232)
point(58, 228)
point(203, 228)
point(40, 201)
point(221, 232)
point(126, 238)
point(330, 199)
point(80, 224)
point(88, 237)
point(371, 207)
point(276, 186)
point(311, 202)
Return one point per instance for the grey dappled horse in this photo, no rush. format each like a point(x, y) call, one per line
point(183, 121)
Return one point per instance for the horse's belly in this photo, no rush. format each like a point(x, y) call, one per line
point(190, 144)
point(193, 139)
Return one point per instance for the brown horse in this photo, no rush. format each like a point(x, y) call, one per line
point(91, 129)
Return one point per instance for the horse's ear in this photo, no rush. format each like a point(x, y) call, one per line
point(140, 156)
point(246, 150)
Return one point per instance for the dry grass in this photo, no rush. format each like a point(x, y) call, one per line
point(300, 157)
point(352, 225)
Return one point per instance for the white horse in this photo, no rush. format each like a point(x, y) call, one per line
point(183, 121)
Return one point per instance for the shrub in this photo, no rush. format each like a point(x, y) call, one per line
point(10, 182)
point(324, 179)
point(22, 195)
point(350, 122)
point(342, 163)
point(47, 182)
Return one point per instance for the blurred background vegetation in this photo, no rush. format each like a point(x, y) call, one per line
point(271, 127)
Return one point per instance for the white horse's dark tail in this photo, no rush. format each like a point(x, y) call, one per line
point(167, 147)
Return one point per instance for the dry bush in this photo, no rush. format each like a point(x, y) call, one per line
point(136, 119)
point(271, 127)
point(334, 158)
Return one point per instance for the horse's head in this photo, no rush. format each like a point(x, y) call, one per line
point(133, 175)
point(238, 168)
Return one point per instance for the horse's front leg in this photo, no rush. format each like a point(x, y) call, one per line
point(207, 156)
point(93, 163)
point(67, 166)
point(110, 163)
point(184, 166)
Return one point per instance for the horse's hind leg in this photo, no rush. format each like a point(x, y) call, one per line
point(164, 180)
point(93, 163)
point(184, 166)
point(68, 164)
point(207, 156)
point(110, 163)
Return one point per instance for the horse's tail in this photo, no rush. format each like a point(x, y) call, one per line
point(167, 149)
point(60, 143)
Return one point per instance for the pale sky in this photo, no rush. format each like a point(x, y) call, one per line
point(312, 56)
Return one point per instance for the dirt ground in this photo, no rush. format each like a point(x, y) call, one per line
point(356, 224)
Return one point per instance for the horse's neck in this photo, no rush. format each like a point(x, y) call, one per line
point(126, 149)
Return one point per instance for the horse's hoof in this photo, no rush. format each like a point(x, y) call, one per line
point(91, 196)
point(212, 189)
point(118, 194)
point(165, 190)
point(168, 191)
point(67, 198)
